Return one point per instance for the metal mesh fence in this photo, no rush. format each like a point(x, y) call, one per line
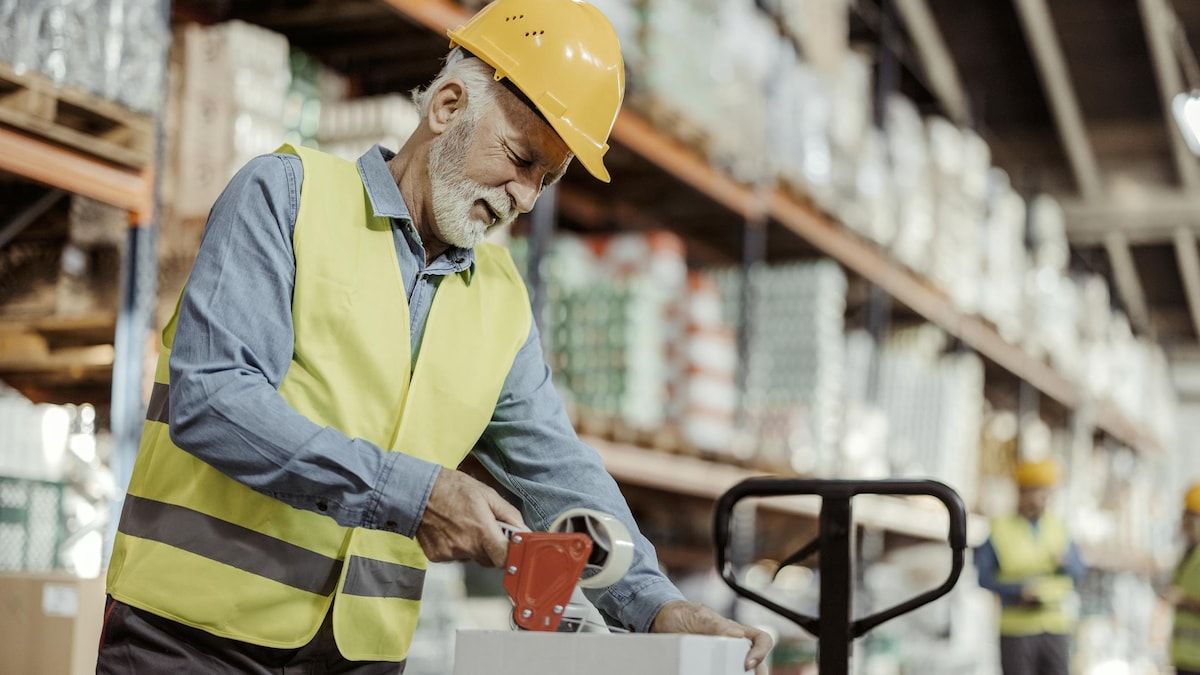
point(31, 524)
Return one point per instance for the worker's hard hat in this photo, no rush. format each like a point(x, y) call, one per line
point(565, 57)
point(1042, 473)
point(1191, 500)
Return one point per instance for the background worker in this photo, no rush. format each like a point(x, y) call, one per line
point(344, 340)
point(1030, 562)
point(1184, 593)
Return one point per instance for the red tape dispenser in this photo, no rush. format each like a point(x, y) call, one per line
point(541, 572)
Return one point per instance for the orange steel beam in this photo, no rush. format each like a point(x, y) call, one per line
point(438, 16)
point(76, 173)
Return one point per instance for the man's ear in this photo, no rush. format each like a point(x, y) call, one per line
point(446, 104)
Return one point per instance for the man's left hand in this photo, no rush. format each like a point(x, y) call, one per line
point(691, 617)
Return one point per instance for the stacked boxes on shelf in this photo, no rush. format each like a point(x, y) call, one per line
point(588, 329)
point(629, 340)
point(90, 266)
point(349, 128)
point(614, 313)
point(302, 105)
point(914, 188)
point(1000, 298)
point(675, 79)
point(793, 377)
point(224, 127)
point(652, 269)
point(799, 119)
point(960, 161)
point(1097, 328)
point(859, 192)
point(743, 53)
point(1051, 307)
point(708, 398)
point(113, 48)
point(934, 404)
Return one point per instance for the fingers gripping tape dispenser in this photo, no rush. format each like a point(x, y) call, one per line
point(545, 571)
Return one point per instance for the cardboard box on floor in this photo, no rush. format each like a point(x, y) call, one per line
point(49, 623)
point(534, 653)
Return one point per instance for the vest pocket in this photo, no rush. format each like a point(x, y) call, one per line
point(377, 604)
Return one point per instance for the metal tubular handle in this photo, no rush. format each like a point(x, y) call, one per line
point(840, 489)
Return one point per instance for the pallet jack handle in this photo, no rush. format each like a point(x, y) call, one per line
point(834, 628)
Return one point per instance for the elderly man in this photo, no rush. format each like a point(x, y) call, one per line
point(1030, 562)
point(345, 339)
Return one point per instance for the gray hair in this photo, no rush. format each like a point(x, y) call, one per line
point(477, 76)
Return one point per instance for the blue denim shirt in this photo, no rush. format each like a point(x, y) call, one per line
point(233, 347)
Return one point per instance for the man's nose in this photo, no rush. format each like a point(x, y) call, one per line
point(524, 194)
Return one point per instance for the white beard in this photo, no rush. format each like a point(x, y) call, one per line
point(453, 195)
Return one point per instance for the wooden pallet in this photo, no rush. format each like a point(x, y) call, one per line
point(31, 103)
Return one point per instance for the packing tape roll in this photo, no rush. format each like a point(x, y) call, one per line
point(612, 547)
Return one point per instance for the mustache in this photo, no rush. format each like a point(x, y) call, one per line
point(500, 203)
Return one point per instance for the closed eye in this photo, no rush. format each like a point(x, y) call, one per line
point(519, 160)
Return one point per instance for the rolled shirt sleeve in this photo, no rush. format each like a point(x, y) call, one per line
point(531, 448)
point(233, 347)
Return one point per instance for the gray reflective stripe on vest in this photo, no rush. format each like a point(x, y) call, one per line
point(159, 409)
point(379, 579)
point(231, 544)
point(264, 555)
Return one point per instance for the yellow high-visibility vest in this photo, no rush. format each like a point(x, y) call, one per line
point(1033, 558)
point(1185, 634)
point(204, 550)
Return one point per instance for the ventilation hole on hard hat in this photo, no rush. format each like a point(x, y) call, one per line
point(541, 32)
point(527, 35)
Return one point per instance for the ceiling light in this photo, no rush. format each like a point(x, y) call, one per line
point(1186, 108)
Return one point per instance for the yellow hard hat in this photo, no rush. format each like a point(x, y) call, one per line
point(1191, 500)
point(565, 57)
point(1042, 473)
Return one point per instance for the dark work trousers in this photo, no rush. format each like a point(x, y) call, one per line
point(1186, 672)
point(1043, 654)
point(134, 642)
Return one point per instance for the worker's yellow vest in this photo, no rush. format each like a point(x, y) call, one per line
point(202, 549)
point(1185, 637)
point(1033, 559)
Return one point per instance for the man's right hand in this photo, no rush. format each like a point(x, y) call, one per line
point(460, 521)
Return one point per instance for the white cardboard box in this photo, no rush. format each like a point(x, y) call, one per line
point(534, 653)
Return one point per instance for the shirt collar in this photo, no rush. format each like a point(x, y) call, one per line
point(387, 202)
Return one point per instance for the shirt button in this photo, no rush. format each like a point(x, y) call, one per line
point(391, 525)
point(322, 506)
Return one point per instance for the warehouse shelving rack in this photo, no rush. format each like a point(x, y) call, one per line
point(78, 143)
